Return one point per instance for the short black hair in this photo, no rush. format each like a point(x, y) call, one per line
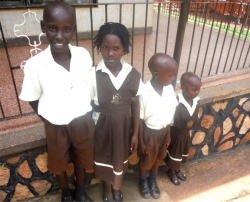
point(158, 59)
point(186, 76)
point(51, 6)
point(117, 29)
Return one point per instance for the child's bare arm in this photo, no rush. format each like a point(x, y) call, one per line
point(168, 136)
point(34, 105)
point(135, 110)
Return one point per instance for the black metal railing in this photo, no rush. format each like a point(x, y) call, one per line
point(219, 35)
point(203, 37)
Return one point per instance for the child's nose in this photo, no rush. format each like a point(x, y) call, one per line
point(59, 34)
point(111, 52)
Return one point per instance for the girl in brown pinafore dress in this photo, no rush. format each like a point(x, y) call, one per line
point(115, 89)
point(113, 128)
point(185, 119)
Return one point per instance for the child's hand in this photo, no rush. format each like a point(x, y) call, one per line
point(142, 148)
point(134, 143)
point(167, 144)
point(168, 138)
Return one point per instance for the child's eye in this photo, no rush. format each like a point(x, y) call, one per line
point(116, 48)
point(105, 47)
point(67, 29)
point(52, 29)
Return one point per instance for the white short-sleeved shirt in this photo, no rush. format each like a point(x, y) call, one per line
point(184, 102)
point(116, 81)
point(157, 111)
point(63, 95)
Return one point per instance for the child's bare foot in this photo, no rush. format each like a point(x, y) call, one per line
point(173, 177)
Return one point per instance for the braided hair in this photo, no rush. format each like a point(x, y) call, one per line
point(117, 29)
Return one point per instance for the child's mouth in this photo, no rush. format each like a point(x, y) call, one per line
point(58, 44)
point(110, 59)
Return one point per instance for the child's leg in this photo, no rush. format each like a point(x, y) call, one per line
point(79, 193)
point(63, 183)
point(142, 171)
point(143, 182)
point(154, 190)
point(154, 168)
point(173, 177)
point(108, 193)
point(107, 189)
point(80, 179)
point(81, 152)
point(186, 141)
point(117, 194)
point(62, 180)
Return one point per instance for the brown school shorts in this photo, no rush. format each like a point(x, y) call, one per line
point(155, 143)
point(74, 140)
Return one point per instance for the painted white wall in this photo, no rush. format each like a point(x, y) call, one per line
point(10, 17)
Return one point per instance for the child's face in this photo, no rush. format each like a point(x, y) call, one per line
point(166, 75)
point(191, 89)
point(59, 28)
point(112, 50)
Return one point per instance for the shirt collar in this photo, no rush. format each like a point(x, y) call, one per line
point(150, 88)
point(49, 54)
point(102, 67)
point(185, 103)
point(48, 51)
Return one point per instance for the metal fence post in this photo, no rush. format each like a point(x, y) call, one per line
point(180, 34)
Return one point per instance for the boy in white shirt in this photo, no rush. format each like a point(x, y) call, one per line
point(157, 107)
point(55, 85)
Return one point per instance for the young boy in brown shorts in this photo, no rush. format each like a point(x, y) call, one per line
point(55, 85)
point(157, 107)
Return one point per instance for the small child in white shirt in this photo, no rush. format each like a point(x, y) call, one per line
point(157, 108)
point(185, 118)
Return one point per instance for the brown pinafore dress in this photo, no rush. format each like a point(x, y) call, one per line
point(178, 149)
point(113, 128)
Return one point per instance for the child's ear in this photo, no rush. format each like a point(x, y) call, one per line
point(42, 26)
point(155, 74)
point(183, 88)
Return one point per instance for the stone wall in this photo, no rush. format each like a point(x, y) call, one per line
point(26, 175)
point(223, 125)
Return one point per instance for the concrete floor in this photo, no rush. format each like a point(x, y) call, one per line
point(220, 178)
